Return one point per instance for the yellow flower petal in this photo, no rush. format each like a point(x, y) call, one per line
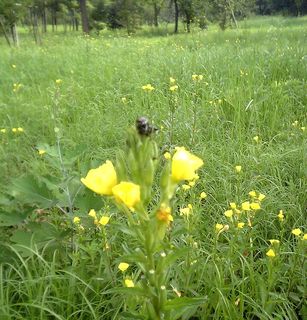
point(102, 179)
point(296, 232)
point(92, 214)
point(245, 206)
point(255, 206)
point(129, 283)
point(271, 253)
point(228, 213)
point(123, 266)
point(128, 193)
point(104, 220)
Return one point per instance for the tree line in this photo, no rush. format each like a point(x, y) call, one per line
point(131, 14)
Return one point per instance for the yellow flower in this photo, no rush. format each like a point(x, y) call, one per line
point(102, 179)
point(20, 129)
point(184, 165)
point(305, 236)
point(196, 77)
point(238, 169)
point(172, 80)
point(92, 214)
point(233, 205)
point(173, 88)
point(185, 211)
point(164, 214)
point(274, 241)
point(14, 130)
point(303, 128)
point(256, 139)
point(253, 194)
point(296, 232)
point(228, 213)
point(41, 152)
point(203, 195)
point(104, 220)
point(261, 196)
point(186, 187)
point(240, 225)
point(13, 66)
point(218, 227)
point(123, 266)
point(295, 123)
point(128, 193)
point(255, 206)
point(167, 156)
point(192, 183)
point(3, 130)
point(76, 220)
point(148, 87)
point(281, 215)
point(200, 77)
point(245, 206)
point(271, 253)
point(58, 81)
point(129, 283)
point(124, 99)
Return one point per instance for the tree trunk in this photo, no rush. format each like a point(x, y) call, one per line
point(156, 13)
point(84, 17)
point(4, 32)
point(44, 20)
point(176, 15)
point(14, 34)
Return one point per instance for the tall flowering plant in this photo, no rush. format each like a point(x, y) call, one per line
point(129, 183)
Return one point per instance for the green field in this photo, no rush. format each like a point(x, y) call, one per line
point(74, 97)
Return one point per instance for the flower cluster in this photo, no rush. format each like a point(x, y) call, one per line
point(148, 87)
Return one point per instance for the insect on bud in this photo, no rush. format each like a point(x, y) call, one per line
point(144, 128)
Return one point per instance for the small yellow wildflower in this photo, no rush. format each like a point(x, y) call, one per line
point(185, 211)
point(271, 253)
point(261, 197)
point(128, 193)
point(296, 232)
point(76, 220)
point(14, 66)
point(240, 225)
point(218, 227)
point(167, 156)
point(203, 195)
point(184, 165)
point(102, 179)
point(92, 214)
point(196, 77)
point(172, 80)
point(256, 139)
point(123, 266)
point(238, 169)
point(295, 123)
point(228, 213)
point(14, 130)
point(41, 152)
point(245, 206)
point(192, 183)
point(3, 130)
point(253, 194)
point(303, 128)
point(58, 81)
point(104, 220)
point(129, 283)
point(186, 187)
point(255, 206)
point(164, 214)
point(173, 88)
point(233, 205)
point(281, 215)
point(124, 99)
point(148, 87)
point(305, 236)
point(19, 129)
point(274, 242)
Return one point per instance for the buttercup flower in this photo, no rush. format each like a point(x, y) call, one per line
point(255, 206)
point(129, 283)
point(271, 253)
point(296, 232)
point(104, 220)
point(184, 165)
point(123, 266)
point(102, 179)
point(128, 193)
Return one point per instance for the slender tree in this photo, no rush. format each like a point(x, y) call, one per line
point(84, 16)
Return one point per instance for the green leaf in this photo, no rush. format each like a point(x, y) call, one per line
point(130, 291)
point(132, 316)
point(12, 218)
point(184, 302)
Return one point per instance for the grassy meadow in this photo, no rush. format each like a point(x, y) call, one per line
point(65, 107)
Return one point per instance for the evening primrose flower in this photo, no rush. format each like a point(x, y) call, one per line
point(102, 179)
point(19, 129)
point(92, 214)
point(228, 213)
point(256, 139)
point(173, 88)
point(240, 225)
point(76, 220)
point(127, 193)
point(245, 206)
point(14, 66)
point(255, 206)
point(305, 236)
point(104, 220)
point(164, 214)
point(296, 231)
point(303, 128)
point(129, 283)
point(186, 187)
point(274, 242)
point(253, 194)
point(148, 87)
point(203, 195)
point(3, 130)
point(261, 196)
point(218, 227)
point(233, 205)
point(58, 81)
point(14, 130)
point(271, 253)
point(185, 211)
point(123, 266)
point(41, 152)
point(124, 99)
point(238, 169)
point(197, 77)
point(172, 80)
point(281, 215)
point(167, 156)
point(184, 165)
